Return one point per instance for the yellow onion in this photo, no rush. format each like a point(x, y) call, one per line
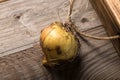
point(58, 44)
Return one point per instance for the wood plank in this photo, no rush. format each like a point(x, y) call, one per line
point(24, 65)
point(21, 22)
point(109, 12)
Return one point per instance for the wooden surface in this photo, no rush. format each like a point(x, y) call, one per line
point(20, 24)
point(109, 12)
point(25, 65)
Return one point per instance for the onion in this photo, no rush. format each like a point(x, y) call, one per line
point(58, 44)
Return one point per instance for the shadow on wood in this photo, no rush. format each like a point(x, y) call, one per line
point(67, 71)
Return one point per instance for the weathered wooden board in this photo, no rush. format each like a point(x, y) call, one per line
point(109, 12)
point(22, 20)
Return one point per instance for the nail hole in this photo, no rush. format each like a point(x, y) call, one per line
point(83, 20)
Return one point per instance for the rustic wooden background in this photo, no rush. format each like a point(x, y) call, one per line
point(20, 24)
point(21, 21)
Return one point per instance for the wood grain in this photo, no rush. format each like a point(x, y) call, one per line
point(24, 65)
point(21, 22)
point(109, 12)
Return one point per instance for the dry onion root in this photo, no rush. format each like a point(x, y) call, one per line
point(60, 42)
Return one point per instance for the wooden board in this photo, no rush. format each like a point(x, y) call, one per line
point(24, 65)
point(109, 12)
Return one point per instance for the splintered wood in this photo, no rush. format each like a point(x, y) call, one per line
point(109, 12)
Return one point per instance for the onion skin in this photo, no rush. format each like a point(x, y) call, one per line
point(58, 44)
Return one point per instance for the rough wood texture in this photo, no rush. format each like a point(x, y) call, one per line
point(109, 12)
point(20, 25)
point(22, 20)
point(24, 65)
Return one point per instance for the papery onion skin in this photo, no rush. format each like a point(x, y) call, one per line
point(58, 44)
